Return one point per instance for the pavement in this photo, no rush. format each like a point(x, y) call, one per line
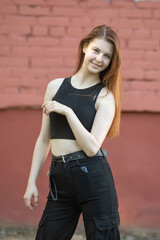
point(28, 233)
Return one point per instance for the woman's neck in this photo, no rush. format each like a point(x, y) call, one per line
point(86, 78)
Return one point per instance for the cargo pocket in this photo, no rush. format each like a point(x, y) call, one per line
point(106, 228)
point(40, 231)
point(45, 228)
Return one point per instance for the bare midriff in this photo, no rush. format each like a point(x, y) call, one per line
point(63, 146)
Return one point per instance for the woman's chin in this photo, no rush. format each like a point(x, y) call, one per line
point(94, 70)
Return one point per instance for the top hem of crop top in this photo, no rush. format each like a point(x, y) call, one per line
point(81, 101)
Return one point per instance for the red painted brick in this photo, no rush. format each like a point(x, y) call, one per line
point(133, 73)
point(69, 11)
point(40, 30)
point(5, 50)
point(12, 40)
point(141, 85)
point(46, 62)
point(69, 62)
point(59, 72)
point(144, 44)
point(132, 54)
point(134, 13)
point(149, 4)
point(135, 33)
point(124, 4)
point(44, 52)
point(98, 4)
point(87, 30)
point(11, 90)
point(63, 3)
point(152, 24)
point(102, 12)
point(43, 41)
point(24, 76)
point(74, 31)
point(125, 33)
point(53, 21)
point(34, 10)
point(141, 34)
point(19, 100)
point(29, 2)
point(12, 61)
point(125, 22)
point(141, 100)
point(100, 21)
point(123, 43)
point(156, 13)
point(155, 34)
point(145, 65)
point(11, 29)
point(8, 9)
point(81, 22)
point(20, 20)
point(155, 75)
point(57, 31)
point(5, 2)
point(152, 55)
point(29, 72)
point(132, 21)
point(1, 19)
point(70, 41)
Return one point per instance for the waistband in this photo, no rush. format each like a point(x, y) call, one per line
point(77, 155)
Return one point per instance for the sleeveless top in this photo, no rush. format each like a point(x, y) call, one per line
point(81, 101)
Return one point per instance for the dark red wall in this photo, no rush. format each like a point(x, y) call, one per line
point(134, 158)
point(38, 43)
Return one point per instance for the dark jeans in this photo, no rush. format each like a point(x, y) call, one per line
point(83, 186)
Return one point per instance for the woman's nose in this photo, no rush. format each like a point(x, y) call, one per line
point(99, 58)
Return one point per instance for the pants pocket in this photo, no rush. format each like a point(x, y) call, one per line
point(106, 228)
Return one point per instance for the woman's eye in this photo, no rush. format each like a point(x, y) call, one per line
point(95, 50)
point(107, 56)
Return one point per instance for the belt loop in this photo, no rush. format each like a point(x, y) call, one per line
point(63, 159)
point(102, 152)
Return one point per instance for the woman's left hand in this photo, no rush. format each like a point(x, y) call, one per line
point(54, 106)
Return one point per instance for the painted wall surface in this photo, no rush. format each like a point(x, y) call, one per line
point(38, 42)
point(39, 39)
point(134, 159)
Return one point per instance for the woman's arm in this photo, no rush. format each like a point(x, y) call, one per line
point(40, 153)
point(90, 142)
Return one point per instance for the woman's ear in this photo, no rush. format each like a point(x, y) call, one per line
point(85, 48)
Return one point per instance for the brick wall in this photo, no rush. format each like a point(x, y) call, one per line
point(39, 39)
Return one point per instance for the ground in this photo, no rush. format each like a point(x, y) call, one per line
point(28, 233)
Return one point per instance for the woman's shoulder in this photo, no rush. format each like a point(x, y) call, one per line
point(55, 82)
point(54, 85)
point(106, 96)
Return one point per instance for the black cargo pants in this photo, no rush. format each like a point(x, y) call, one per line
point(82, 186)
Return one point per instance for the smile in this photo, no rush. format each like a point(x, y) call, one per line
point(96, 64)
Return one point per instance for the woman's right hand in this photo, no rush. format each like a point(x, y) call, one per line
point(31, 192)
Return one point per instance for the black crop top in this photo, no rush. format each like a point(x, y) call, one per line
point(81, 101)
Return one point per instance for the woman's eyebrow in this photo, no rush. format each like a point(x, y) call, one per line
point(100, 50)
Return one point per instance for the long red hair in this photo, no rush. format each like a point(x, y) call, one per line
point(111, 76)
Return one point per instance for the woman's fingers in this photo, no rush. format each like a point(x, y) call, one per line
point(28, 203)
point(36, 199)
point(48, 107)
point(31, 197)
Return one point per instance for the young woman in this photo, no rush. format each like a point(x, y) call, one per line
point(78, 112)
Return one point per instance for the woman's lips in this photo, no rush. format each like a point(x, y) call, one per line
point(96, 65)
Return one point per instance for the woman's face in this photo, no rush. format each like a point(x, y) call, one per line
point(98, 54)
